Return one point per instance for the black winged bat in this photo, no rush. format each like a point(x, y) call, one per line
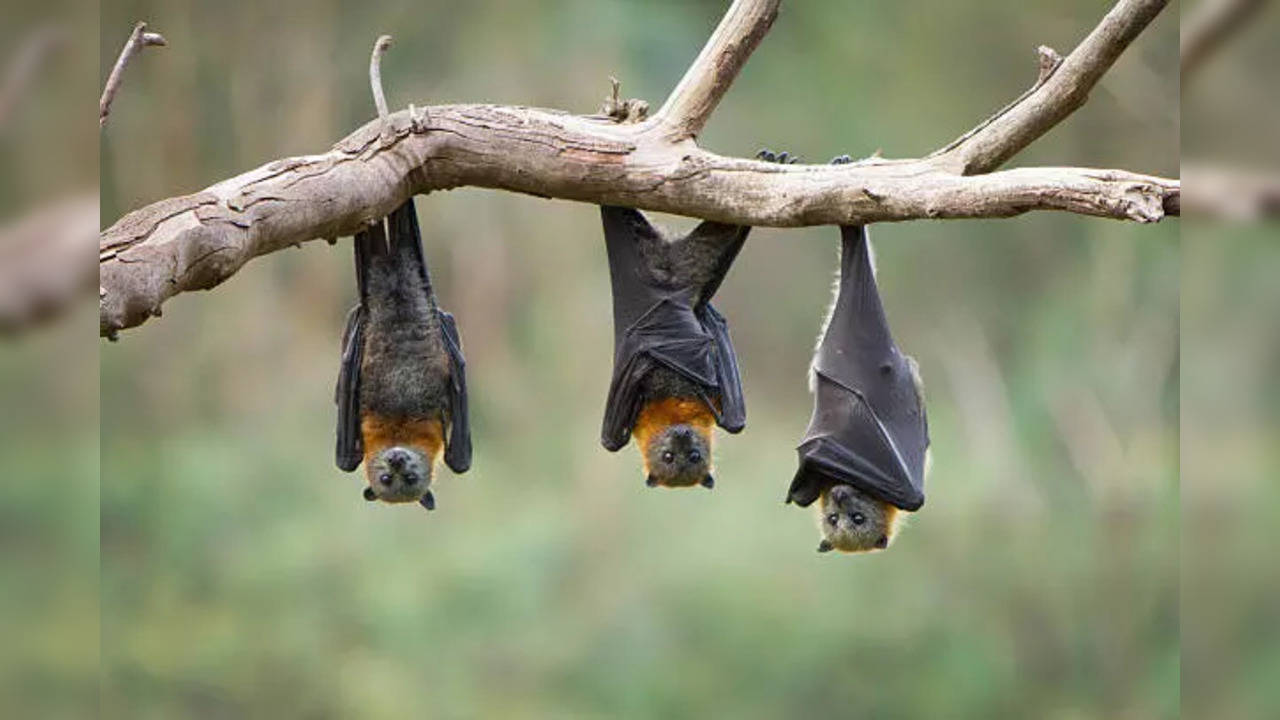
point(675, 374)
point(402, 387)
point(864, 454)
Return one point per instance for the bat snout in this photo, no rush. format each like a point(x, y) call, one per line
point(397, 458)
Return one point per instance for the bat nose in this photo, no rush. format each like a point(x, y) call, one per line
point(397, 458)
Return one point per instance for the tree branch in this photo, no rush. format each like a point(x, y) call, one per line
point(706, 81)
point(138, 39)
point(197, 241)
point(44, 268)
point(1060, 91)
point(1207, 26)
point(1232, 194)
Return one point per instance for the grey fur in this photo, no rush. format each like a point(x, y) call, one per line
point(405, 369)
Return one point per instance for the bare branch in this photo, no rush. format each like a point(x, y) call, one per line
point(197, 241)
point(375, 75)
point(1232, 194)
point(709, 77)
point(138, 39)
point(1052, 98)
point(1209, 24)
point(44, 268)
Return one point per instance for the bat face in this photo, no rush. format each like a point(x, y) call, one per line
point(398, 474)
point(854, 522)
point(679, 456)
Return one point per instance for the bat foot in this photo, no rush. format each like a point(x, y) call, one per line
point(428, 501)
point(782, 158)
point(841, 160)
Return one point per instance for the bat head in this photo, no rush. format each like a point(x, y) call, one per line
point(679, 456)
point(398, 474)
point(852, 521)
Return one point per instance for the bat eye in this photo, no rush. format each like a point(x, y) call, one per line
point(411, 478)
point(668, 456)
point(859, 518)
point(695, 456)
point(384, 478)
point(833, 518)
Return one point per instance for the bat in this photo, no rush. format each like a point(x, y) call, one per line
point(864, 453)
point(675, 374)
point(402, 385)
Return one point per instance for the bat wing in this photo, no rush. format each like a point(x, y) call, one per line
point(670, 336)
point(659, 322)
point(869, 427)
point(350, 450)
point(732, 414)
point(457, 452)
point(350, 445)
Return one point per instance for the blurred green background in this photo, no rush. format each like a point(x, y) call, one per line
point(49, 383)
point(1230, 409)
point(242, 575)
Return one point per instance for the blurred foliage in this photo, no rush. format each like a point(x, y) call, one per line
point(49, 385)
point(242, 575)
point(1230, 414)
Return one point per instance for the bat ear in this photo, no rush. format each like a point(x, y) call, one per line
point(708, 482)
point(825, 546)
point(369, 494)
point(883, 542)
point(651, 481)
point(428, 501)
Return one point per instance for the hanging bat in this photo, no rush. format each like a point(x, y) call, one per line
point(402, 386)
point(675, 375)
point(864, 454)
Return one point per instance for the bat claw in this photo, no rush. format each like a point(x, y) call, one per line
point(841, 160)
point(782, 158)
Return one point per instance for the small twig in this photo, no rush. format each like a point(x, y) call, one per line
point(1050, 60)
point(623, 111)
point(1207, 26)
point(138, 39)
point(380, 47)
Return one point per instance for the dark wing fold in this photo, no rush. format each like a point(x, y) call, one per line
point(869, 427)
point(350, 450)
point(719, 244)
point(667, 335)
point(658, 322)
point(732, 415)
point(457, 449)
point(350, 443)
point(407, 239)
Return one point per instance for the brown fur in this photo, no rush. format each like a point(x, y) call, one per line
point(381, 433)
point(661, 414)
